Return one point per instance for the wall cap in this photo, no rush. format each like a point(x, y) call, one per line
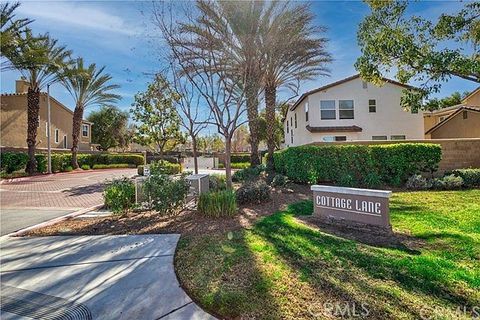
point(355, 191)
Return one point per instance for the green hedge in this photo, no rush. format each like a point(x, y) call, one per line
point(165, 167)
point(357, 165)
point(61, 161)
point(16, 161)
point(239, 158)
point(112, 166)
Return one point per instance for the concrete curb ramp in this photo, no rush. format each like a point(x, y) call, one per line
point(93, 277)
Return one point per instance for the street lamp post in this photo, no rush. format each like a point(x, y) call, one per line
point(49, 156)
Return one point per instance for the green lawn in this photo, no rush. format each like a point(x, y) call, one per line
point(284, 269)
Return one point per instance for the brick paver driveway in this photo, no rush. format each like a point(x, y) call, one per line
point(72, 190)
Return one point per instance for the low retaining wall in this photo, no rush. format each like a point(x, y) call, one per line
point(456, 153)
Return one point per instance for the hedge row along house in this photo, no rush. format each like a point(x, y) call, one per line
point(354, 110)
point(14, 122)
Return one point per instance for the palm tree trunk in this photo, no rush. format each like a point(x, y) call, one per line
point(270, 101)
point(33, 107)
point(252, 114)
point(194, 149)
point(77, 123)
point(228, 165)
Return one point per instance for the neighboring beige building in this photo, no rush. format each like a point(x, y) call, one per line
point(351, 110)
point(460, 121)
point(13, 131)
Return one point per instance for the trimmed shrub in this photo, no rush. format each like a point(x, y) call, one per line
point(165, 167)
point(217, 182)
point(166, 195)
point(41, 163)
point(240, 158)
point(253, 192)
point(217, 204)
point(248, 174)
point(240, 165)
point(85, 167)
point(471, 177)
point(112, 166)
point(119, 195)
point(68, 169)
point(60, 161)
point(417, 182)
point(357, 165)
point(13, 161)
point(279, 180)
point(448, 182)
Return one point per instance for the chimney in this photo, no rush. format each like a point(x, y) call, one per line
point(21, 86)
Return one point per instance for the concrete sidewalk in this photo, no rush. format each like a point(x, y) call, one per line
point(93, 277)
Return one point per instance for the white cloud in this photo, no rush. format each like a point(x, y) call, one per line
point(77, 14)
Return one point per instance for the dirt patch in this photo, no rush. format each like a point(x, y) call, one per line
point(188, 222)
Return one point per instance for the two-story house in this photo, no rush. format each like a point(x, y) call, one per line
point(459, 121)
point(349, 110)
point(13, 127)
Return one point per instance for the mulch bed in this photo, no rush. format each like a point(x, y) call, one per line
point(188, 222)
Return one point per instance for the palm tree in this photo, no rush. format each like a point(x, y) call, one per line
point(293, 51)
point(88, 86)
point(236, 29)
point(11, 28)
point(39, 60)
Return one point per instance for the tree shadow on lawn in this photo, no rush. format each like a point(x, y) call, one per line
point(220, 273)
point(363, 273)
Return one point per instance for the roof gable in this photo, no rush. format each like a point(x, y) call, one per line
point(336, 83)
point(451, 116)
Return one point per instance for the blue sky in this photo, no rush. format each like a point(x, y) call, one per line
point(121, 36)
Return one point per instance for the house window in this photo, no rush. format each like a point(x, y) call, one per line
point(64, 142)
point(364, 85)
point(327, 109)
point(291, 136)
point(345, 109)
point(295, 121)
point(334, 138)
point(372, 105)
point(379, 137)
point(84, 130)
point(57, 139)
point(288, 127)
point(397, 137)
point(46, 129)
point(306, 111)
point(465, 114)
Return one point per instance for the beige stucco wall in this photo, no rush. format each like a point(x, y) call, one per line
point(457, 127)
point(389, 119)
point(14, 123)
point(473, 100)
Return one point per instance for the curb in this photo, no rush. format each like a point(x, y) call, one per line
point(53, 221)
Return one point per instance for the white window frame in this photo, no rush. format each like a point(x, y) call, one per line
point(88, 131)
point(343, 108)
point(46, 129)
point(306, 111)
point(328, 108)
point(57, 136)
point(372, 105)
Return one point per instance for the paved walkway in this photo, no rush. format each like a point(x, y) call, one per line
point(73, 190)
point(93, 277)
point(28, 201)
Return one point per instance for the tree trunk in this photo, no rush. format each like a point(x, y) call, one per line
point(228, 165)
point(194, 149)
point(33, 107)
point(77, 123)
point(252, 115)
point(270, 101)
